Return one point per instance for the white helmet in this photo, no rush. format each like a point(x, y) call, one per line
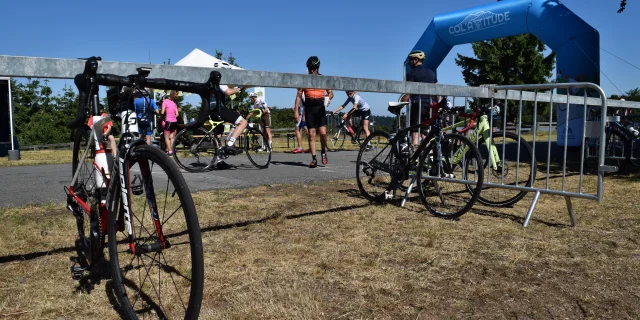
point(253, 95)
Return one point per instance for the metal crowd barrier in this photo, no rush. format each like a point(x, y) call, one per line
point(37, 67)
point(593, 131)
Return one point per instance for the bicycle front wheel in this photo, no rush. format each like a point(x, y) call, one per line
point(375, 166)
point(257, 147)
point(195, 150)
point(442, 184)
point(336, 137)
point(513, 167)
point(155, 245)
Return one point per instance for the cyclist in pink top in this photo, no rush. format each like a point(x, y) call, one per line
point(170, 111)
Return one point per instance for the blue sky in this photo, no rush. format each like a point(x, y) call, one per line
point(364, 39)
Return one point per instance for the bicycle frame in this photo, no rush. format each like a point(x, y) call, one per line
point(482, 128)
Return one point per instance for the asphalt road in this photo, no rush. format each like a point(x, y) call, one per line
point(44, 184)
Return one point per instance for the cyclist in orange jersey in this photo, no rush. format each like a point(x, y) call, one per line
point(315, 112)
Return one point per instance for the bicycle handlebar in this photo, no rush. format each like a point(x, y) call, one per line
point(89, 80)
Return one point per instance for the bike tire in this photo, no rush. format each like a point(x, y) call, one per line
point(369, 163)
point(526, 154)
point(195, 150)
point(336, 136)
point(141, 294)
point(256, 145)
point(89, 245)
point(473, 158)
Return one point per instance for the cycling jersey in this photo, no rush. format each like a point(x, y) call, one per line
point(357, 101)
point(313, 97)
point(260, 104)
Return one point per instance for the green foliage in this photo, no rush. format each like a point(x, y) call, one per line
point(40, 117)
point(631, 95)
point(623, 5)
point(510, 60)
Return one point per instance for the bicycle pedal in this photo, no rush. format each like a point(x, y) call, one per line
point(77, 273)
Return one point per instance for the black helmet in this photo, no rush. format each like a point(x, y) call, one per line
point(313, 62)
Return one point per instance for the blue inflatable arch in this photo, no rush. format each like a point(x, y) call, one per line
point(576, 43)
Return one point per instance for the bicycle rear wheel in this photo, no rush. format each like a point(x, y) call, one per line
point(514, 168)
point(195, 150)
point(158, 268)
point(257, 148)
point(374, 167)
point(461, 161)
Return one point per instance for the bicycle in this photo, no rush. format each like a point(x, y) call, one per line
point(509, 154)
point(438, 160)
point(144, 254)
point(621, 145)
point(338, 133)
point(200, 149)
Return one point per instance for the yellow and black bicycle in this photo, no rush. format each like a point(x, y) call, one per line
point(201, 149)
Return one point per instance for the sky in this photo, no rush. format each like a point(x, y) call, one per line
point(365, 39)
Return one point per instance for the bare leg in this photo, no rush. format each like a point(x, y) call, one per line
point(312, 141)
point(365, 126)
point(167, 141)
point(299, 137)
point(323, 138)
point(172, 138)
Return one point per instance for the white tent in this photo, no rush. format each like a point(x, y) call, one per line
point(199, 58)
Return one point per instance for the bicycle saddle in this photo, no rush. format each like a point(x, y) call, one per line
point(395, 107)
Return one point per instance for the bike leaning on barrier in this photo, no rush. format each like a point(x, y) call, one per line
point(439, 164)
point(511, 159)
point(139, 198)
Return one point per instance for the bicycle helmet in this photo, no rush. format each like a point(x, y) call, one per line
point(417, 54)
point(313, 62)
point(253, 95)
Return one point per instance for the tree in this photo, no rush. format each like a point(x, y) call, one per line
point(623, 5)
point(510, 60)
point(631, 95)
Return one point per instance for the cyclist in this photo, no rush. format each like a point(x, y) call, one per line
point(300, 124)
point(142, 103)
point(360, 108)
point(315, 112)
point(231, 116)
point(170, 111)
point(265, 120)
point(420, 73)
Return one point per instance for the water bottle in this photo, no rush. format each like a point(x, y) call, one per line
point(633, 130)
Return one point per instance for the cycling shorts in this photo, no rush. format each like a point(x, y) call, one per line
point(315, 116)
point(145, 128)
point(425, 117)
point(226, 115)
point(265, 120)
point(363, 114)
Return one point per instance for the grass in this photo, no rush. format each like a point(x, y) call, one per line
point(40, 157)
point(320, 251)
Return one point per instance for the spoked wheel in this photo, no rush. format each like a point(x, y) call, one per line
point(461, 161)
point(513, 168)
point(374, 167)
point(257, 147)
point(156, 252)
point(336, 136)
point(195, 150)
point(89, 189)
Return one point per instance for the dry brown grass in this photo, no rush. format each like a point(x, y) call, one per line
point(28, 158)
point(319, 251)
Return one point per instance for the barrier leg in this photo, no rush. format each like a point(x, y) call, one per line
point(570, 208)
point(531, 208)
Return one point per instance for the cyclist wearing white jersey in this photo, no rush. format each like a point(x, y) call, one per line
point(265, 120)
point(360, 108)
